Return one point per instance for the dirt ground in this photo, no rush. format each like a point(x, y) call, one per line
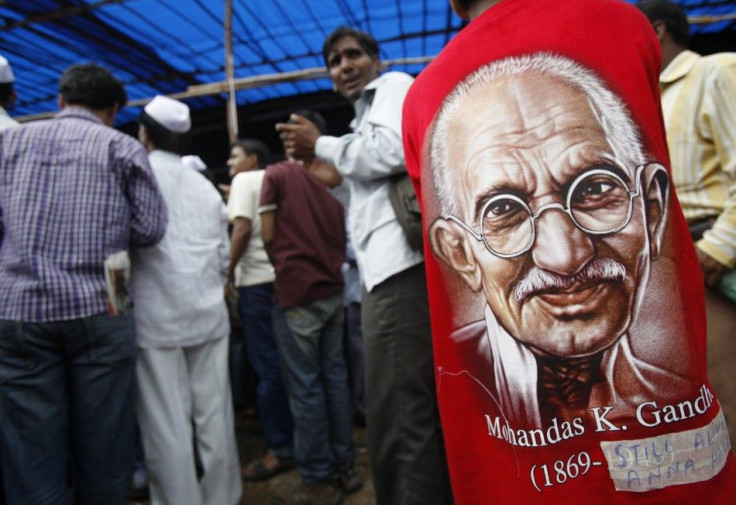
point(252, 445)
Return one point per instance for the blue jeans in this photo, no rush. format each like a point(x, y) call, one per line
point(67, 379)
point(310, 341)
point(255, 303)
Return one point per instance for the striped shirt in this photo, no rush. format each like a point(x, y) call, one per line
point(72, 192)
point(699, 105)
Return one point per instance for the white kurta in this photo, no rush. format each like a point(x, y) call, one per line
point(6, 121)
point(177, 286)
point(182, 324)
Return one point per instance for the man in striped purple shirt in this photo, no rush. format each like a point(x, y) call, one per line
point(73, 191)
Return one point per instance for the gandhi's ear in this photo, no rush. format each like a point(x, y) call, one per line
point(450, 243)
point(656, 189)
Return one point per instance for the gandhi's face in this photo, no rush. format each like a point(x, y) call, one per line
point(572, 293)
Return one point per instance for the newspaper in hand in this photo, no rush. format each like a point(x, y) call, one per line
point(117, 280)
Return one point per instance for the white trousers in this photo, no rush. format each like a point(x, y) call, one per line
point(178, 388)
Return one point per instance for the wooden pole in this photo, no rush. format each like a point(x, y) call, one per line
point(256, 81)
point(232, 106)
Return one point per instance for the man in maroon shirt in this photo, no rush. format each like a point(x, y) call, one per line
point(303, 231)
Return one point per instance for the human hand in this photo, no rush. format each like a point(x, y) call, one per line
point(299, 137)
point(713, 270)
point(231, 292)
point(225, 190)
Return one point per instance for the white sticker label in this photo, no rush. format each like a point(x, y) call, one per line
point(667, 460)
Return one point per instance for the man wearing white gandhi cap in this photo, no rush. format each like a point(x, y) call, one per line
point(182, 327)
point(7, 94)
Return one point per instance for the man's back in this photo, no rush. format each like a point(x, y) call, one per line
point(253, 266)
point(487, 163)
point(72, 192)
point(178, 284)
point(309, 239)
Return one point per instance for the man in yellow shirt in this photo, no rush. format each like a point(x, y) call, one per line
point(699, 106)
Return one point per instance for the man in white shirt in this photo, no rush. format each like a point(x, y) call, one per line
point(253, 276)
point(7, 94)
point(182, 327)
point(404, 440)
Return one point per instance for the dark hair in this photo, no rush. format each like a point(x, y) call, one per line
point(253, 146)
point(6, 90)
point(365, 40)
point(671, 14)
point(163, 138)
point(315, 117)
point(465, 4)
point(92, 86)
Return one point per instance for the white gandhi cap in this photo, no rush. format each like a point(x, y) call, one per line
point(169, 113)
point(194, 162)
point(6, 73)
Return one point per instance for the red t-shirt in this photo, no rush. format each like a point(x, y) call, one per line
point(309, 238)
point(566, 299)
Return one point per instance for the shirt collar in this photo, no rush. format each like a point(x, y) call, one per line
point(679, 67)
point(78, 112)
point(366, 97)
point(161, 155)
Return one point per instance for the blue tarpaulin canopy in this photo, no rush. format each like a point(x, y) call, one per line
point(176, 46)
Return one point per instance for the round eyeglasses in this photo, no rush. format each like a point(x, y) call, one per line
point(598, 201)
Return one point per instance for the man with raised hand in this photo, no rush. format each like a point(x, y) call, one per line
point(404, 436)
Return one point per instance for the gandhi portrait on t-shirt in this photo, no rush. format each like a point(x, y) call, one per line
point(551, 209)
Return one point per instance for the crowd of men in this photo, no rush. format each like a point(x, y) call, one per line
point(514, 354)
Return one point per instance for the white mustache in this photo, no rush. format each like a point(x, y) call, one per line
point(600, 269)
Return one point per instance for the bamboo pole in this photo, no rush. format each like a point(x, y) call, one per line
point(232, 106)
point(255, 81)
point(706, 19)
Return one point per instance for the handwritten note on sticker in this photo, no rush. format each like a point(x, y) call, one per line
point(667, 460)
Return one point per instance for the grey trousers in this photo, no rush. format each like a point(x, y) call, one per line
point(404, 436)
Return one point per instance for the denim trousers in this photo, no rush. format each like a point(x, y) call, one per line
point(256, 304)
point(67, 385)
point(310, 340)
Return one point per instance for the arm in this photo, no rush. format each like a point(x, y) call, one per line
point(372, 152)
point(223, 247)
point(327, 174)
point(225, 190)
point(268, 223)
point(148, 214)
point(242, 229)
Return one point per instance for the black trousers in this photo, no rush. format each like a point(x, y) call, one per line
point(404, 435)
